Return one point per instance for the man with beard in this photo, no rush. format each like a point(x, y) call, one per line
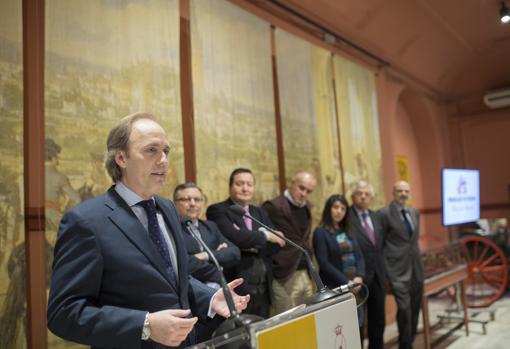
point(404, 266)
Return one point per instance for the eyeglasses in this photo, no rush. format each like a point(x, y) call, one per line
point(188, 199)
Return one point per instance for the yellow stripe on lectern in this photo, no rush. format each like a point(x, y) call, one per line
point(294, 335)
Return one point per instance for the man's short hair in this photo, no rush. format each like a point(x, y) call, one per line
point(187, 185)
point(361, 184)
point(238, 171)
point(118, 140)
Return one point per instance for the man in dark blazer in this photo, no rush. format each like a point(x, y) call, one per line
point(290, 213)
point(256, 244)
point(404, 266)
point(188, 200)
point(120, 275)
point(367, 228)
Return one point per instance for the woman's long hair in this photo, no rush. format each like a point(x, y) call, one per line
point(327, 219)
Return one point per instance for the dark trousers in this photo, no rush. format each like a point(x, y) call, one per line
point(375, 314)
point(205, 329)
point(408, 296)
point(259, 302)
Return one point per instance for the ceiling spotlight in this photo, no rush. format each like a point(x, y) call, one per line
point(504, 13)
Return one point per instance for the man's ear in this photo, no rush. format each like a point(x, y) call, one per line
point(120, 158)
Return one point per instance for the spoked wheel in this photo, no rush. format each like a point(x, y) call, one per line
point(487, 271)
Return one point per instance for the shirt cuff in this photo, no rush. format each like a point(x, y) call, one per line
point(265, 231)
point(210, 312)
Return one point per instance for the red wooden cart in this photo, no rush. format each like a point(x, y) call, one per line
point(487, 270)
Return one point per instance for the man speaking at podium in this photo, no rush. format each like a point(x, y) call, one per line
point(120, 275)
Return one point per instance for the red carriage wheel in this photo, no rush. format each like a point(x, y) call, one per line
point(487, 271)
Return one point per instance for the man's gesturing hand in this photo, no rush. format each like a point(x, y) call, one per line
point(219, 303)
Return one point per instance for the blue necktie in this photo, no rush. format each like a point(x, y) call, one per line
point(407, 225)
point(157, 238)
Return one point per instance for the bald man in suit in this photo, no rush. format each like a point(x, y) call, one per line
point(403, 262)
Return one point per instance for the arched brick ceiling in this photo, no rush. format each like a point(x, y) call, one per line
point(458, 47)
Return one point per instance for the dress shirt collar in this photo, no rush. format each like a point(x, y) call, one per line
point(360, 212)
point(245, 207)
point(129, 196)
point(292, 201)
point(400, 207)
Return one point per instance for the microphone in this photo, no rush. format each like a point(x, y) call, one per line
point(236, 320)
point(324, 292)
point(348, 287)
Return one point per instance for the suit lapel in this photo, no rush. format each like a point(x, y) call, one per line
point(255, 213)
point(414, 217)
point(237, 218)
point(416, 223)
point(359, 227)
point(124, 218)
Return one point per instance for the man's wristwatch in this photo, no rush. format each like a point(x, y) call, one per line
point(146, 331)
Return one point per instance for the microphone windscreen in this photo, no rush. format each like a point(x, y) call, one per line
point(237, 209)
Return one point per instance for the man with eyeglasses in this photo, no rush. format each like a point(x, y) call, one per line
point(290, 213)
point(188, 199)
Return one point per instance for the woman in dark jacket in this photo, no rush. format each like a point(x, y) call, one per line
point(337, 252)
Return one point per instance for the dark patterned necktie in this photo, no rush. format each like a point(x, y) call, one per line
point(407, 224)
point(157, 237)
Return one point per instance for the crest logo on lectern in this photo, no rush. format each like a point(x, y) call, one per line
point(340, 338)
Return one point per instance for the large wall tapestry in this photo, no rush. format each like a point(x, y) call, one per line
point(310, 132)
point(105, 60)
point(359, 126)
point(12, 229)
point(233, 98)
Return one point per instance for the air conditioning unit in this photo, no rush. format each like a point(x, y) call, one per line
point(497, 99)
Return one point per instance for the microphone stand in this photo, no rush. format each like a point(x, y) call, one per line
point(235, 320)
point(324, 292)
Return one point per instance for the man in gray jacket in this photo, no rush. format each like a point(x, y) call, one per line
point(403, 262)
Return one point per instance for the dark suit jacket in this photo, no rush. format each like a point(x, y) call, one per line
point(252, 243)
point(401, 251)
point(107, 274)
point(373, 254)
point(286, 261)
point(205, 270)
point(329, 258)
